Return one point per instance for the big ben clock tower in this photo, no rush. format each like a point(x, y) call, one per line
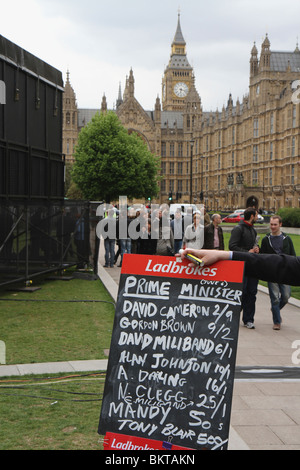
point(178, 75)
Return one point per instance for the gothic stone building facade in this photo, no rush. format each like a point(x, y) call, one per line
point(222, 158)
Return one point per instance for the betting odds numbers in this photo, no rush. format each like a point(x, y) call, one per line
point(172, 356)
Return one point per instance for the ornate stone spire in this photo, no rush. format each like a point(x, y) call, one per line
point(129, 88)
point(131, 84)
point(119, 100)
point(193, 99)
point(254, 61)
point(265, 55)
point(104, 104)
point(178, 38)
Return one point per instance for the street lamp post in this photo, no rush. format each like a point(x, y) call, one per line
point(201, 193)
point(191, 172)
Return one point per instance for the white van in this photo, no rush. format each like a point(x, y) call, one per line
point(183, 208)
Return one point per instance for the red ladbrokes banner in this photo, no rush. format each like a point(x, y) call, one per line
point(173, 267)
point(114, 441)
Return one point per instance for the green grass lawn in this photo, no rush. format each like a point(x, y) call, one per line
point(36, 329)
point(54, 413)
point(51, 413)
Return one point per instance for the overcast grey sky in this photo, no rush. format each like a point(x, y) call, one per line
point(99, 41)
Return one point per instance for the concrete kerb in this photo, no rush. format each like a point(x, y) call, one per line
point(110, 285)
point(292, 300)
point(53, 368)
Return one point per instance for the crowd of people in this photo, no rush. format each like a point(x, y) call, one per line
point(156, 233)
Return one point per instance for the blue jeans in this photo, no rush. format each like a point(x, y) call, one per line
point(177, 245)
point(125, 245)
point(279, 296)
point(109, 246)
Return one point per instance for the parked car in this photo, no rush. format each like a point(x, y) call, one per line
point(239, 211)
point(233, 218)
point(238, 215)
point(183, 208)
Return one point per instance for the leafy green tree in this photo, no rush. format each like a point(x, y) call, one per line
point(71, 189)
point(109, 162)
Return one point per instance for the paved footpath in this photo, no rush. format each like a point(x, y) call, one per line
point(266, 398)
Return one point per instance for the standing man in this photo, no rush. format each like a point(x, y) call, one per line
point(122, 234)
point(109, 235)
point(244, 238)
point(277, 242)
point(178, 230)
point(194, 233)
point(206, 217)
point(213, 234)
point(165, 240)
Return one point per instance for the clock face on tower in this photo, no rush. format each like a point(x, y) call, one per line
point(181, 89)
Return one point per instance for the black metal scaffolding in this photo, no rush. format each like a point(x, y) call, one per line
point(37, 238)
point(40, 231)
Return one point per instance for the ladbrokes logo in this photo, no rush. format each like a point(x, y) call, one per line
point(129, 445)
point(173, 267)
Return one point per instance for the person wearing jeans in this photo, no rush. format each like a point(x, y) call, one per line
point(277, 242)
point(109, 236)
point(125, 245)
point(109, 246)
point(279, 296)
point(122, 234)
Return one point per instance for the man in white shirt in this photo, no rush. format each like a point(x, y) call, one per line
point(194, 233)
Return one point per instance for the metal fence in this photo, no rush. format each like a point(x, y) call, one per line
point(36, 238)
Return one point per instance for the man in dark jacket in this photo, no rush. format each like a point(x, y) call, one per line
point(277, 242)
point(213, 234)
point(244, 238)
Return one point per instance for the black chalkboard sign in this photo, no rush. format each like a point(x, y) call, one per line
point(172, 357)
